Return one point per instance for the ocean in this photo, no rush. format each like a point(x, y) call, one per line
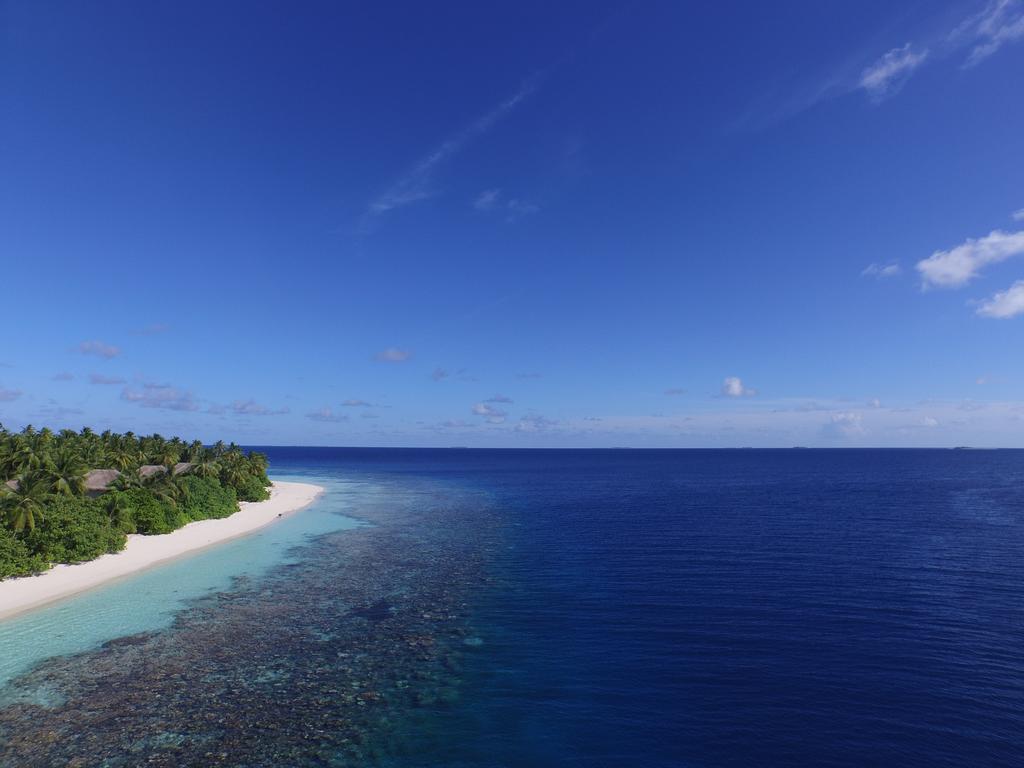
point(560, 608)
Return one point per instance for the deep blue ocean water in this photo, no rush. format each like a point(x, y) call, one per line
point(700, 608)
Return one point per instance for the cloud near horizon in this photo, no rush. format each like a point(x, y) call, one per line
point(99, 349)
point(489, 412)
point(326, 414)
point(162, 396)
point(252, 408)
point(732, 386)
point(846, 424)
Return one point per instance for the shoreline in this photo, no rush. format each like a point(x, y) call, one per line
point(26, 593)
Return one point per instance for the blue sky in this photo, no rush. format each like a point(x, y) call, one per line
point(515, 224)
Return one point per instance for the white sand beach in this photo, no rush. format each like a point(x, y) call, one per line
point(142, 552)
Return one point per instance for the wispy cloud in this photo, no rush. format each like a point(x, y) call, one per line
point(7, 395)
point(499, 399)
point(529, 375)
point(160, 396)
point(881, 271)
point(534, 422)
point(153, 329)
point(1005, 304)
point(1000, 23)
point(675, 391)
point(63, 376)
point(252, 408)
point(487, 200)
point(491, 200)
point(326, 414)
point(99, 349)
point(392, 355)
point(356, 404)
point(733, 386)
point(887, 75)
point(417, 183)
point(1018, 215)
point(959, 265)
point(439, 374)
point(99, 378)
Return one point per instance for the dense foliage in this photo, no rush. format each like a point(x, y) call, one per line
point(50, 511)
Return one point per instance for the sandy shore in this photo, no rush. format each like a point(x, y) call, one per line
point(141, 552)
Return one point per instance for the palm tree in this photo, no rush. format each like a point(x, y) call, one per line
point(206, 467)
point(66, 473)
point(166, 487)
point(24, 504)
point(128, 480)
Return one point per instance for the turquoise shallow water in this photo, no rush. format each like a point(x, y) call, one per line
point(150, 600)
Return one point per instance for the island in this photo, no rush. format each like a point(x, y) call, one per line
point(81, 508)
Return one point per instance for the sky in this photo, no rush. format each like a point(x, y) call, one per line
point(515, 224)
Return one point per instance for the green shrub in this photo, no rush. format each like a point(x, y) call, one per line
point(150, 515)
point(15, 558)
point(205, 499)
point(252, 489)
point(74, 530)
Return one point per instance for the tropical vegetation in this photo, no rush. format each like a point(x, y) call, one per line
point(67, 497)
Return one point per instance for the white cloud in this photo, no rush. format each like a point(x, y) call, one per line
point(881, 270)
point(732, 386)
point(487, 200)
point(325, 414)
point(1005, 304)
point(416, 184)
point(929, 422)
point(393, 355)
point(252, 408)
point(160, 396)
point(874, 402)
point(99, 378)
point(846, 424)
point(535, 423)
point(1000, 23)
point(489, 412)
point(957, 266)
point(99, 349)
point(887, 75)
point(1018, 215)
